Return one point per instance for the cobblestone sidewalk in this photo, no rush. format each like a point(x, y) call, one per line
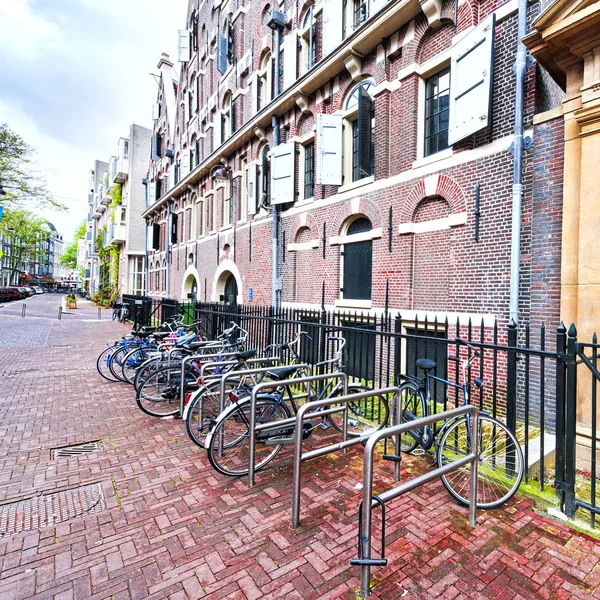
point(170, 527)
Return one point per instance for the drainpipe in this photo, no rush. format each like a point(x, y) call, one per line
point(519, 144)
point(276, 285)
point(168, 250)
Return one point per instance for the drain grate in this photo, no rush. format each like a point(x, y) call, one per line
point(85, 448)
point(43, 511)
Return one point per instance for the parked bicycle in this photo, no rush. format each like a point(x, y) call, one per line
point(120, 312)
point(501, 463)
point(227, 442)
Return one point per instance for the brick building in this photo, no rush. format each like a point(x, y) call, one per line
point(377, 136)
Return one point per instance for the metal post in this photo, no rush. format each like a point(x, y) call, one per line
point(60, 312)
point(99, 313)
point(561, 369)
point(511, 378)
point(571, 423)
point(23, 309)
point(474, 467)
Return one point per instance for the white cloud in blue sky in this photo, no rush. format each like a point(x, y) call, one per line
point(74, 76)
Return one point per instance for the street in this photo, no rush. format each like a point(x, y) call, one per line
point(145, 516)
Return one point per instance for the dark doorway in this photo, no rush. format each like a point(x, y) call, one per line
point(231, 291)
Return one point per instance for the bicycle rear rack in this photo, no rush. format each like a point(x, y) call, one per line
point(370, 562)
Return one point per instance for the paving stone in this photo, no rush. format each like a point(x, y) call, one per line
point(173, 528)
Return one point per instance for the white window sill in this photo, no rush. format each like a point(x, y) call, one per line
point(447, 153)
point(305, 201)
point(226, 228)
point(362, 304)
point(356, 184)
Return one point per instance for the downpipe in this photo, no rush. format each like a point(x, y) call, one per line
point(518, 146)
point(276, 291)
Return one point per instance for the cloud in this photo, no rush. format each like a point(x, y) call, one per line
point(75, 74)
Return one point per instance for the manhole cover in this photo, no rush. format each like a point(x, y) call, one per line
point(43, 511)
point(76, 450)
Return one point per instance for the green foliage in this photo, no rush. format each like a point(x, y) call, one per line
point(69, 256)
point(21, 183)
point(117, 195)
point(23, 230)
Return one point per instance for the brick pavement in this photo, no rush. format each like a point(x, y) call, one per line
point(173, 528)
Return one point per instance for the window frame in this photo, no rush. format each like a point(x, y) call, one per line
point(423, 104)
point(304, 145)
point(351, 137)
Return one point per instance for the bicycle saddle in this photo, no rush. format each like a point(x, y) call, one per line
point(160, 335)
point(180, 342)
point(282, 373)
point(193, 345)
point(245, 355)
point(426, 364)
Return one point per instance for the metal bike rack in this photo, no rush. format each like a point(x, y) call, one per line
point(224, 376)
point(291, 421)
point(301, 416)
point(369, 501)
point(203, 358)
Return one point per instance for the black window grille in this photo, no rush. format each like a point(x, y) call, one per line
point(309, 170)
point(437, 111)
point(361, 12)
point(360, 350)
point(363, 143)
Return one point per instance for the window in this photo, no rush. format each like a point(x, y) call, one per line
point(137, 285)
point(265, 172)
point(308, 41)
point(265, 78)
point(359, 150)
point(309, 169)
point(360, 12)
point(226, 118)
point(357, 262)
point(437, 103)
point(227, 205)
point(192, 98)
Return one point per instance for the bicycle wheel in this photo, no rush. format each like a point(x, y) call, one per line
point(412, 406)
point(115, 314)
point(131, 363)
point(365, 415)
point(158, 395)
point(102, 364)
point(115, 364)
point(228, 441)
point(500, 467)
point(204, 409)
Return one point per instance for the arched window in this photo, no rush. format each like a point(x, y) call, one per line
point(265, 177)
point(308, 41)
point(359, 143)
point(226, 118)
point(265, 81)
point(357, 258)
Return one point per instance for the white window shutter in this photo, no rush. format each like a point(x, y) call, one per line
point(184, 45)
point(290, 60)
point(151, 193)
point(217, 130)
point(154, 112)
point(171, 177)
point(283, 169)
point(185, 163)
point(254, 108)
point(329, 149)
point(252, 180)
point(332, 25)
point(471, 74)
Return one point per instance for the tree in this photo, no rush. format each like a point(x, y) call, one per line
point(69, 256)
point(23, 232)
point(18, 180)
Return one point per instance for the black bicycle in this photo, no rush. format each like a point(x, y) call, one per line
point(501, 465)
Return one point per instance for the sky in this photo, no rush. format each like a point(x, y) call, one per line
point(74, 75)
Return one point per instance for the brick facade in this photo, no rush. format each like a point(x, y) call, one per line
point(426, 255)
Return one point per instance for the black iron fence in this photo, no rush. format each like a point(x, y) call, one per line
point(533, 388)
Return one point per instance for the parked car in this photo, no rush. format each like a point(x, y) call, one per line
point(38, 290)
point(11, 293)
point(21, 291)
point(30, 291)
